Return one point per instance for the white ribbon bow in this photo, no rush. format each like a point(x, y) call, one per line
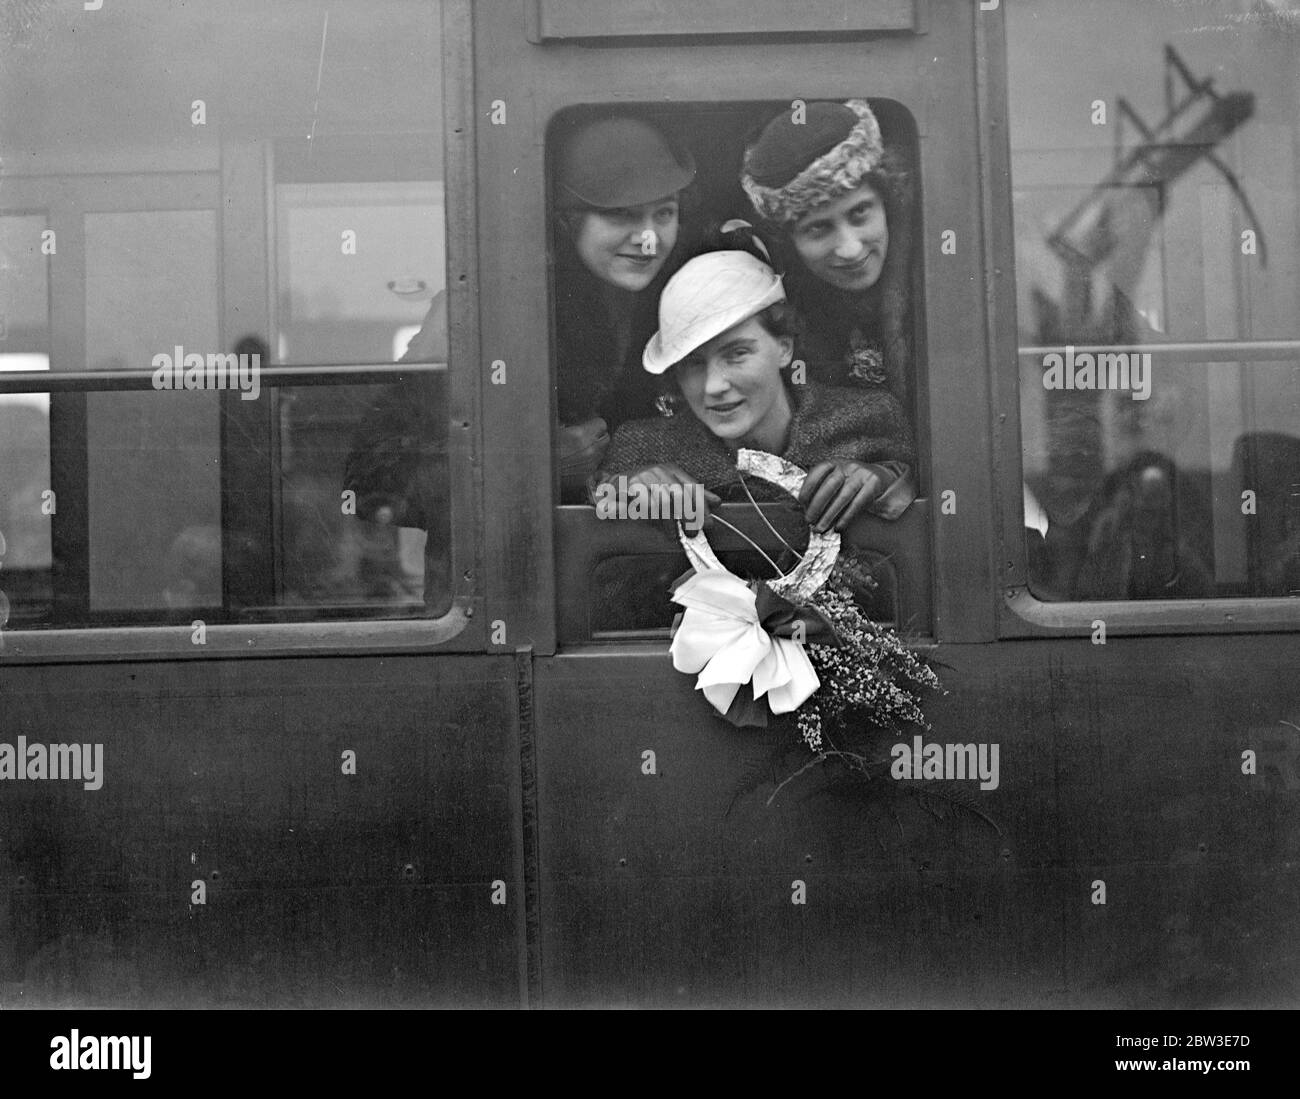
point(720, 633)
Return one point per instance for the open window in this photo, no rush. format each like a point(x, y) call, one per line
point(613, 576)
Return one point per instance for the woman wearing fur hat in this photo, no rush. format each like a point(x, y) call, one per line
point(840, 202)
point(727, 335)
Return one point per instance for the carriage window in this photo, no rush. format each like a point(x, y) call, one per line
point(1157, 228)
point(243, 253)
point(636, 194)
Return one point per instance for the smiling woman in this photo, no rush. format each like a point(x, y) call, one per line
point(844, 242)
point(727, 335)
point(626, 247)
point(733, 383)
point(617, 188)
point(838, 203)
point(841, 243)
point(727, 341)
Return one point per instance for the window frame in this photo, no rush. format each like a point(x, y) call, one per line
point(573, 20)
point(64, 198)
point(593, 541)
point(1020, 613)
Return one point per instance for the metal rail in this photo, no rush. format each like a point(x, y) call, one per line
point(111, 381)
point(1207, 351)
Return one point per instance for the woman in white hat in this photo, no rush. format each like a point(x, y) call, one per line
point(727, 335)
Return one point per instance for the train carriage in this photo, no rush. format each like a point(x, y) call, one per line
point(348, 755)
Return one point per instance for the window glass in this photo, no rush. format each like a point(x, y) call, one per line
point(357, 263)
point(1157, 229)
point(387, 444)
point(273, 195)
point(152, 459)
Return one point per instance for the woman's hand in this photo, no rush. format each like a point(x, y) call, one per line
point(582, 448)
point(693, 496)
point(836, 492)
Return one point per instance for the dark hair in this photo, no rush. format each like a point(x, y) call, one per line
point(780, 320)
point(891, 179)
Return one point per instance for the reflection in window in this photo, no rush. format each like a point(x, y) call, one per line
point(357, 263)
point(386, 445)
point(152, 459)
point(1157, 230)
point(360, 266)
point(296, 217)
point(361, 279)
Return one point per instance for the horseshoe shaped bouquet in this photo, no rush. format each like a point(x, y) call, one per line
point(797, 644)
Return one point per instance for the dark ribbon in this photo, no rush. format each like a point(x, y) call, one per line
point(778, 616)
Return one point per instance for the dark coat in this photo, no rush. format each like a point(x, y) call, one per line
point(596, 373)
point(398, 458)
point(865, 425)
point(862, 424)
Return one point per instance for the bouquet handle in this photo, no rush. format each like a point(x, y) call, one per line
point(823, 548)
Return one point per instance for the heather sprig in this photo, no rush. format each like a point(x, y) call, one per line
point(871, 682)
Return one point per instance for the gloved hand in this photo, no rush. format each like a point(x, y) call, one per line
point(836, 492)
point(581, 449)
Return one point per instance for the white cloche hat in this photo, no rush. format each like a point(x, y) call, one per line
point(707, 296)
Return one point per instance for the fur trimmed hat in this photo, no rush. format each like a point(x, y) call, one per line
point(796, 166)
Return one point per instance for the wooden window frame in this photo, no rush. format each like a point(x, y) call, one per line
point(1019, 612)
point(64, 199)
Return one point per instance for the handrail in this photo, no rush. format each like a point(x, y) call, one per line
point(1205, 351)
point(275, 376)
